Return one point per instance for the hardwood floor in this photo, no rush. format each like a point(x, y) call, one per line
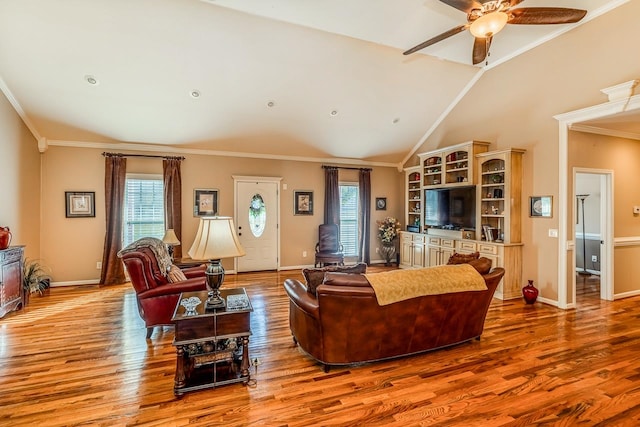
point(79, 357)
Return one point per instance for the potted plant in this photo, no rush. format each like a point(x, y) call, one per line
point(35, 278)
point(388, 230)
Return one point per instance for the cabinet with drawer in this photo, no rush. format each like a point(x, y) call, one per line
point(509, 257)
point(412, 250)
point(440, 250)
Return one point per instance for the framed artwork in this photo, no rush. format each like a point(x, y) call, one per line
point(205, 202)
point(381, 203)
point(80, 204)
point(303, 202)
point(540, 206)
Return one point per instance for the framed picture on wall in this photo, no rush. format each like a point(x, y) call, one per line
point(205, 202)
point(303, 202)
point(381, 203)
point(80, 204)
point(540, 206)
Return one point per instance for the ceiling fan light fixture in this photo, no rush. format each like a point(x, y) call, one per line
point(489, 24)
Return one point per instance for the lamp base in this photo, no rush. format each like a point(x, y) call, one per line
point(215, 278)
point(214, 301)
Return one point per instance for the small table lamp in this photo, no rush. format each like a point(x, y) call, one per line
point(170, 239)
point(216, 238)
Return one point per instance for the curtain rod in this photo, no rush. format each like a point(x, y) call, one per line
point(345, 167)
point(150, 156)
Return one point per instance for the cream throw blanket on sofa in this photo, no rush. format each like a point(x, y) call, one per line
point(400, 285)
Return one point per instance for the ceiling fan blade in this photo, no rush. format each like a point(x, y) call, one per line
point(436, 39)
point(545, 15)
point(481, 49)
point(464, 5)
point(515, 2)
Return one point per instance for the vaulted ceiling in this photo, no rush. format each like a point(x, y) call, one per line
point(279, 78)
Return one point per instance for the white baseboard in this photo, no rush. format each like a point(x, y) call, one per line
point(75, 283)
point(626, 295)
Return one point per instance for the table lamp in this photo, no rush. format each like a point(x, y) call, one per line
point(216, 238)
point(170, 239)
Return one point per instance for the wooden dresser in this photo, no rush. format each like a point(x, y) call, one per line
point(11, 293)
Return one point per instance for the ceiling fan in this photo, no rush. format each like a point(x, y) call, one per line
point(485, 18)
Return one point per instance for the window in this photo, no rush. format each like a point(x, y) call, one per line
point(257, 215)
point(349, 218)
point(143, 208)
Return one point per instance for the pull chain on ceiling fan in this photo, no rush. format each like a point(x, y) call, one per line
point(486, 18)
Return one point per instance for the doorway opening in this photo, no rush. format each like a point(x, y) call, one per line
point(592, 232)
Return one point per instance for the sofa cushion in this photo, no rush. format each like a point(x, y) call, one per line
point(483, 265)
point(336, 278)
point(457, 258)
point(315, 276)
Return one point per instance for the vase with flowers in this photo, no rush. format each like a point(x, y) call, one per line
point(388, 230)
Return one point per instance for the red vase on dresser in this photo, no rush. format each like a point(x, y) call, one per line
point(5, 237)
point(530, 293)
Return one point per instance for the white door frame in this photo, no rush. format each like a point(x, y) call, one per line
point(270, 179)
point(606, 230)
point(621, 99)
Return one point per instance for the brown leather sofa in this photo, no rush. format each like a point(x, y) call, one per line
point(156, 296)
point(345, 324)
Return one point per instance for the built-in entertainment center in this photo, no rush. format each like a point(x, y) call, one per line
point(465, 198)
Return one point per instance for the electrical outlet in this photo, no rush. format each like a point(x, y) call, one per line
point(304, 254)
point(377, 250)
point(99, 265)
point(594, 258)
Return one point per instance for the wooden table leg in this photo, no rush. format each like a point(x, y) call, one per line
point(179, 381)
point(244, 365)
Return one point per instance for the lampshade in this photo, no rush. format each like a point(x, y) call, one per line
point(216, 238)
point(170, 238)
point(489, 24)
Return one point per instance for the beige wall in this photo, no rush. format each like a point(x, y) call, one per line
point(19, 181)
point(622, 156)
point(513, 104)
point(74, 245)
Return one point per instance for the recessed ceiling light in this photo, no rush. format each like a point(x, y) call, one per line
point(195, 93)
point(271, 104)
point(91, 80)
point(333, 113)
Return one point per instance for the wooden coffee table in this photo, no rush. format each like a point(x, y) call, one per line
point(212, 346)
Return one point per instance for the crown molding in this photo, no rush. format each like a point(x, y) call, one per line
point(165, 149)
point(604, 131)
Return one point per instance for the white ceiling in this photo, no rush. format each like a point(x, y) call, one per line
point(308, 58)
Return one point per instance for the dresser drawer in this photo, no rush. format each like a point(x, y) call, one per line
point(487, 249)
point(447, 243)
point(466, 246)
point(434, 241)
point(419, 238)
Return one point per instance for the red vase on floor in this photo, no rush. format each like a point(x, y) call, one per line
point(5, 237)
point(530, 293)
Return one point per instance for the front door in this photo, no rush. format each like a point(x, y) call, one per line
point(257, 216)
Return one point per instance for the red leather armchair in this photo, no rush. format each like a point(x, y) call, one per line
point(157, 297)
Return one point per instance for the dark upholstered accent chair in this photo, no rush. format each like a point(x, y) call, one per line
point(157, 297)
point(329, 250)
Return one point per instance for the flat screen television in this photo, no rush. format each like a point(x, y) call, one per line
point(450, 208)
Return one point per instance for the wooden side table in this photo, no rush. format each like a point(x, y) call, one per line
point(212, 347)
point(187, 262)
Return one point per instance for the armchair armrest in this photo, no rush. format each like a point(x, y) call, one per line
point(189, 285)
point(192, 272)
point(300, 297)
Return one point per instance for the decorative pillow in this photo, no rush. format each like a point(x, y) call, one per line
point(175, 274)
point(336, 278)
point(315, 276)
point(483, 265)
point(457, 258)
